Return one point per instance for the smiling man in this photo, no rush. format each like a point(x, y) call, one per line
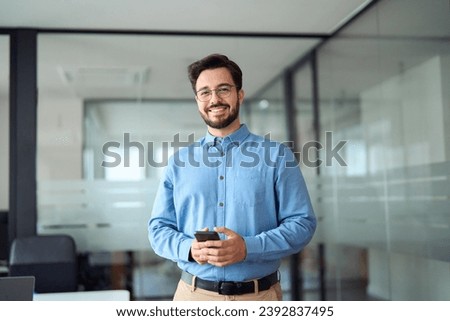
point(260, 208)
point(219, 107)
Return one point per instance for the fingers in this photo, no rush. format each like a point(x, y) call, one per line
point(220, 253)
point(229, 233)
point(231, 251)
point(197, 252)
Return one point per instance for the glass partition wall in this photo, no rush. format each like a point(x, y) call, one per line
point(372, 123)
point(383, 84)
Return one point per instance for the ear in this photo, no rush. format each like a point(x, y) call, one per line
point(241, 95)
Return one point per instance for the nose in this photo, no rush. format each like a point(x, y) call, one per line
point(214, 98)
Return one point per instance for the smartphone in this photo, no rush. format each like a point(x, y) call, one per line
point(203, 236)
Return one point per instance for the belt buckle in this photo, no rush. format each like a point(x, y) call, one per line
point(230, 288)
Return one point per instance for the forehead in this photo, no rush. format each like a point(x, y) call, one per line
point(211, 78)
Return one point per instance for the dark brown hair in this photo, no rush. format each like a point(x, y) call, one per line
point(212, 62)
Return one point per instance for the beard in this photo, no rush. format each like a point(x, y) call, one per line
point(224, 122)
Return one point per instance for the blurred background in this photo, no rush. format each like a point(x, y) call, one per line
point(373, 74)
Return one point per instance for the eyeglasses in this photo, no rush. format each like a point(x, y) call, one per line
point(205, 94)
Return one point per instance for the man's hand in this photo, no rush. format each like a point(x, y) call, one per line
point(197, 250)
point(220, 253)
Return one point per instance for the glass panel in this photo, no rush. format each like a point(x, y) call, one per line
point(265, 113)
point(306, 144)
point(382, 90)
point(104, 99)
point(415, 102)
point(128, 140)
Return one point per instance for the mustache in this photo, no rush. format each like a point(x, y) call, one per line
point(218, 105)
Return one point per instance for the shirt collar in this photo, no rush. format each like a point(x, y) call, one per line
point(237, 137)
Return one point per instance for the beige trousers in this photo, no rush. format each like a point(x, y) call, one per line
point(186, 292)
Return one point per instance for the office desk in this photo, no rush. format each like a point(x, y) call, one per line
point(107, 295)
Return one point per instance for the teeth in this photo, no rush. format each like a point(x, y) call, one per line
point(216, 109)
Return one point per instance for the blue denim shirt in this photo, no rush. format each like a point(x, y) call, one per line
point(244, 182)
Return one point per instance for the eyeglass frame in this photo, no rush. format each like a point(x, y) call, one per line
point(216, 91)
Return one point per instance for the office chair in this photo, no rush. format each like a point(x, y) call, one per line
point(51, 259)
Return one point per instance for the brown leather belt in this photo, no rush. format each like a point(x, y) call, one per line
point(231, 288)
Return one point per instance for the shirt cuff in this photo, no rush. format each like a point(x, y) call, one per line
point(184, 249)
point(253, 248)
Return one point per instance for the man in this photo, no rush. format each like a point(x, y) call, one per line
point(247, 188)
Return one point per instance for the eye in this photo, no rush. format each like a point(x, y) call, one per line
point(204, 93)
point(224, 90)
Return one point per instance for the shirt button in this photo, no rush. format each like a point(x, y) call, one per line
point(220, 177)
point(221, 204)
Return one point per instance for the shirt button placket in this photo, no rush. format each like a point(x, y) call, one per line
point(221, 190)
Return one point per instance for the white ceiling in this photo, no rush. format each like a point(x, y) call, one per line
point(286, 16)
point(145, 66)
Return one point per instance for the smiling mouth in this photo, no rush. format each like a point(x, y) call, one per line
point(217, 109)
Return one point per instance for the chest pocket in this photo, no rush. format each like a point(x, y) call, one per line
point(249, 187)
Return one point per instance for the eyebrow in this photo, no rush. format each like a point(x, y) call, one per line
point(219, 85)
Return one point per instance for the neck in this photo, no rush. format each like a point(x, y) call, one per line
point(222, 132)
